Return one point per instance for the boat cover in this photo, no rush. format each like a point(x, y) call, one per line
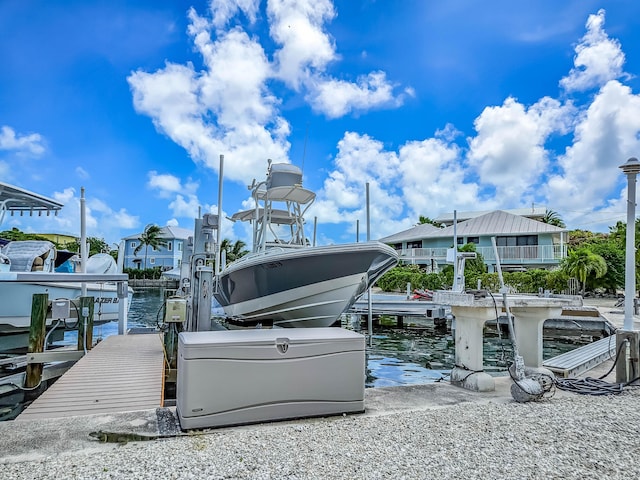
point(29, 255)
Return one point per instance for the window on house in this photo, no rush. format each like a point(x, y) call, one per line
point(417, 244)
point(475, 240)
point(169, 246)
point(179, 246)
point(133, 244)
point(152, 261)
point(517, 241)
point(460, 241)
point(527, 240)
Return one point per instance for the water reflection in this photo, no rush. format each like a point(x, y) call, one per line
point(426, 354)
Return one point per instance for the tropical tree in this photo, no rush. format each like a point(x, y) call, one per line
point(149, 238)
point(615, 258)
point(422, 219)
point(581, 263)
point(96, 245)
point(577, 238)
point(233, 251)
point(553, 218)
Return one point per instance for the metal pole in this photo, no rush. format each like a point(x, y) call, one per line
point(627, 339)
point(370, 316)
point(630, 257)
point(315, 229)
point(83, 241)
point(218, 267)
point(631, 169)
point(455, 250)
point(368, 216)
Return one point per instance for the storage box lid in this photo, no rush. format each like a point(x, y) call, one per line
point(268, 343)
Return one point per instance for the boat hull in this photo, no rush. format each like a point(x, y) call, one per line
point(307, 287)
point(16, 300)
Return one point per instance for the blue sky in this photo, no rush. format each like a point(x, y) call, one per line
point(461, 105)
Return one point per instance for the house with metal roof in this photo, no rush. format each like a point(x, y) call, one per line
point(167, 257)
point(522, 243)
point(533, 212)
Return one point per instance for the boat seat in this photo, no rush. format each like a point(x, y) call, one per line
point(30, 255)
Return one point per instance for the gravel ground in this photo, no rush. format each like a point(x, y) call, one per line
point(563, 437)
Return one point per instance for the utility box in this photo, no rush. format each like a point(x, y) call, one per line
point(235, 377)
point(60, 308)
point(175, 310)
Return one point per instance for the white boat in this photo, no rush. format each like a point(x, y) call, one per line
point(285, 280)
point(39, 258)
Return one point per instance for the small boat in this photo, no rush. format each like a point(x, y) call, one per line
point(286, 280)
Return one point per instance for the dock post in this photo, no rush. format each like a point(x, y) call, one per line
point(123, 306)
point(469, 370)
point(528, 323)
point(628, 366)
point(37, 332)
point(85, 323)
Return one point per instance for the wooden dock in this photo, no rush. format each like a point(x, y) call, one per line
point(123, 373)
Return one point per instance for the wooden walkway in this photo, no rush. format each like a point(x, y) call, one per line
point(123, 373)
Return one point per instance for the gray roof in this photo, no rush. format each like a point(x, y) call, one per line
point(530, 212)
point(497, 222)
point(418, 232)
point(167, 232)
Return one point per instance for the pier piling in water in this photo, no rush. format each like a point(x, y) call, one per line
point(37, 332)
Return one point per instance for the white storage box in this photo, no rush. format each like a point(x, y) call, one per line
point(245, 376)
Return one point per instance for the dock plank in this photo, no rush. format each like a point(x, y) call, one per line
point(120, 374)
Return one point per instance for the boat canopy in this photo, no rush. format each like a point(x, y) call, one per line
point(288, 193)
point(14, 199)
point(276, 215)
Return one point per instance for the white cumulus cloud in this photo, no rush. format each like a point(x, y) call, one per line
point(228, 107)
point(32, 143)
point(508, 152)
point(598, 58)
point(224, 10)
point(605, 137)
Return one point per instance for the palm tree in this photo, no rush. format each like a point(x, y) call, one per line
point(149, 238)
point(422, 220)
point(552, 217)
point(582, 262)
point(234, 250)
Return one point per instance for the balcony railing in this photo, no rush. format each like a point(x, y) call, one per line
point(523, 254)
